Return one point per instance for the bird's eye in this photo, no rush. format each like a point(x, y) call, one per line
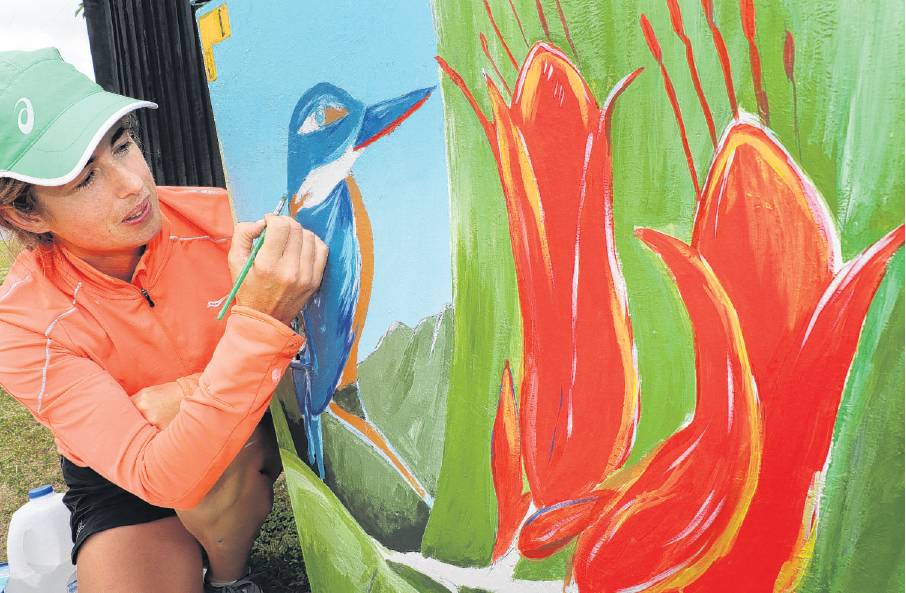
point(322, 117)
point(312, 123)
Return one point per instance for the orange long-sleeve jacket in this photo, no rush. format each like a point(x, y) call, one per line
point(76, 344)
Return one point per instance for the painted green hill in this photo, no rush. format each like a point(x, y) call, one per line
point(401, 391)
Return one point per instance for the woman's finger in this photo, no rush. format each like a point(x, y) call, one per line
point(306, 260)
point(320, 261)
point(293, 250)
point(274, 245)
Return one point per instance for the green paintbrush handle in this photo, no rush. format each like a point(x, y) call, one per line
point(256, 245)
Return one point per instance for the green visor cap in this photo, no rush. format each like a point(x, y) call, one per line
point(52, 116)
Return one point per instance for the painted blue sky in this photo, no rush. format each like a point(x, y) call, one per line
point(375, 50)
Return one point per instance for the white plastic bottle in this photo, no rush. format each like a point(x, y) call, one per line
point(39, 545)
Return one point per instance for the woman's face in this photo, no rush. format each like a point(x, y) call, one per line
point(110, 210)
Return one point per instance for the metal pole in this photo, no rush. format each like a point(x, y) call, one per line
point(149, 49)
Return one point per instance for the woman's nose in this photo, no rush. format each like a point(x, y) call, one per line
point(127, 180)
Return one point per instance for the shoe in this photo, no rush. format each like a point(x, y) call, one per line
point(243, 585)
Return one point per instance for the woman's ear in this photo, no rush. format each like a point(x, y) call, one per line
point(32, 222)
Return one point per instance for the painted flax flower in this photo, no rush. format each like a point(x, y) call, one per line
point(579, 391)
point(662, 523)
point(765, 230)
point(672, 514)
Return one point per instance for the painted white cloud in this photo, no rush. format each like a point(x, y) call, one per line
point(33, 24)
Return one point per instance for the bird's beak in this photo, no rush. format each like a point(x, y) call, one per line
point(384, 117)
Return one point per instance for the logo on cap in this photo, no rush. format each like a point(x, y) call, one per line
point(26, 115)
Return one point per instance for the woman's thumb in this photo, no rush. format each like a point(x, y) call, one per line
point(244, 235)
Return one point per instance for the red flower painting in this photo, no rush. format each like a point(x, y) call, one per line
point(578, 408)
point(728, 502)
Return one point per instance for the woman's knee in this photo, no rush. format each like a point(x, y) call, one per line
point(245, 483)
point(243, 496)
point(227, 531)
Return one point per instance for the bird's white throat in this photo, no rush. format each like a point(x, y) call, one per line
point(318, 184)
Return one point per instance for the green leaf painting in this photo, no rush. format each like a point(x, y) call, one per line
point(349, 560)
point(672, 356)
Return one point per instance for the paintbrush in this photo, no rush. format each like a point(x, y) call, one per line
point(256, 245)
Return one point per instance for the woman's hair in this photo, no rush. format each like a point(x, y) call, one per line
point(20, 195)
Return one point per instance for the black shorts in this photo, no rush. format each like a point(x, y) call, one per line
point(96, 504)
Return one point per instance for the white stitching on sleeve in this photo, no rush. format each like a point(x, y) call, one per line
point(217, 303)
point(13, 286)
point(47, 333)
point(208, 237)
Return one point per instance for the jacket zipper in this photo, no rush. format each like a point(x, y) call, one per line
point(146, 295)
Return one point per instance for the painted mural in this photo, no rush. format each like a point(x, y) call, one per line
point(614, 300)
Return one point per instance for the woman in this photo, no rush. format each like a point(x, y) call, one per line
point(109, 336)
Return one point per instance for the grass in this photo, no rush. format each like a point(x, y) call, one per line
point(28, 458)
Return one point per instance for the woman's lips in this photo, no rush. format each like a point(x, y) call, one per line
point(139, 214)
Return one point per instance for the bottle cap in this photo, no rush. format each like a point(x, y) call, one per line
point(40, 491)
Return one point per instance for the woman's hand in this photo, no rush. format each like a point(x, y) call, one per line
point(287, 270)
point(159, 404)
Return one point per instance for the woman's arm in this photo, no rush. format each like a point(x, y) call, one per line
point(159, 404)
point(90, 413)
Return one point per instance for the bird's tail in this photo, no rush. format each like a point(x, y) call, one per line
point(315, 441)
point(312, 422)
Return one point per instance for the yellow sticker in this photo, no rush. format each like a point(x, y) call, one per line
point(213, 28)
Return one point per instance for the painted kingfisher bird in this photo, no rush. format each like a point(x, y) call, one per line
point(327, 132)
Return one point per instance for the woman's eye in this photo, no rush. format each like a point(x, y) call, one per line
point(124, 147)
point(86, 181)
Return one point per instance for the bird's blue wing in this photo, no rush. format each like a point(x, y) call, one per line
point(329, 315)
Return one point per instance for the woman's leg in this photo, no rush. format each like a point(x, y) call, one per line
point(144, 558)
point(227, 520)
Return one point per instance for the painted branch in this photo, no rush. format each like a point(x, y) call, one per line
point(497, 578)
point(369, 434)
